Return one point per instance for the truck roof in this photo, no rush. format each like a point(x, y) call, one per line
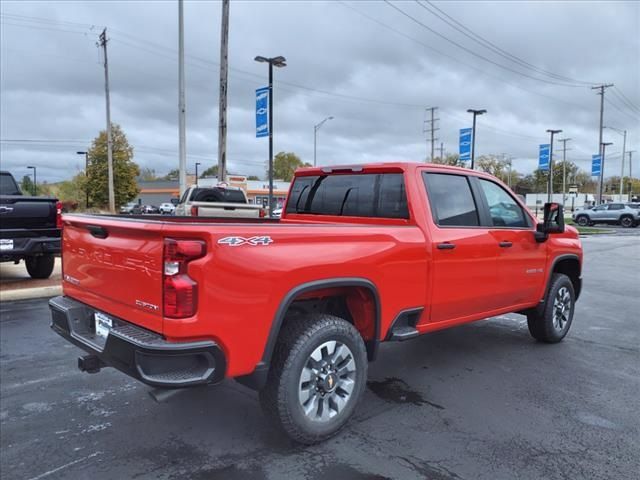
point(404, 166)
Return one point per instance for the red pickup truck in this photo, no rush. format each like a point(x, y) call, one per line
point(296, 307)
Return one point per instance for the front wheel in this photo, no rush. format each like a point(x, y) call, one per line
point(317, 377)
point(40, 266)
point(551, 323)
point(582, 220)
point(627, 222)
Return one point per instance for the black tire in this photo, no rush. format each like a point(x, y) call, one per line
point(627, 221)
point(542, 322)
point(299, 338)
point(40, 266)
point(582, 220)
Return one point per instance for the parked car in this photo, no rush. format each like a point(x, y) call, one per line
point(219, 201)
point(128, 208)
point(167, 208)
point(29, 228)
point(362, 255)
point(608, 213)
point(144, 210)
point(277, 213)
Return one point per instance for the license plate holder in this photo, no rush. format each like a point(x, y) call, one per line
point(103, 324)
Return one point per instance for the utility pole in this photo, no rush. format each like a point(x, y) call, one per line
point(431, 129)
point(630, 176)
point(600, 148)
point(112, 199)
point(442, 150)
point(603, 147)
point(564, 166)
point(624, 146)
point(222, 110)
point(182, 125)
point(550, 178)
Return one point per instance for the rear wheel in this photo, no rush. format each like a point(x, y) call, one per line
point(551, 323)
point(582, 220)
point(40, 266)
point(317, 377)
point(627, 221)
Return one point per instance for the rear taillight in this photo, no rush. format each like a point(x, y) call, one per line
point(58, 214)
point(180, 291)
point(194, 211)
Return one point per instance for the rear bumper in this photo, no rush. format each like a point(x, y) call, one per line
point(31, 246)
point(139, 353)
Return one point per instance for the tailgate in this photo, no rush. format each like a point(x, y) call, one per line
point(19, 212)
point(115, 266)
point(238, 210)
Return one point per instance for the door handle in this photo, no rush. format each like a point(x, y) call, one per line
point(505, 244)
point(97, 231)
point(446, 246)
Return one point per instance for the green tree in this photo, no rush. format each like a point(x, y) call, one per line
point(27, 186)
point(284, 164)
point(450, 159)
point(74, 190)
point(212, 171)
point(172, 175)
point(125, 170)
point(147, 174)
point(253, 177)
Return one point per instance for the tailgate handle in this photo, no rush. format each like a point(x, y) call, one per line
point(98, 231)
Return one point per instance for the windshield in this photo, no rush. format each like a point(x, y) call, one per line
point(8, 185)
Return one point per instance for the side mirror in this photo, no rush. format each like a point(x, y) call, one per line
point(175, 201)
point(553, 221)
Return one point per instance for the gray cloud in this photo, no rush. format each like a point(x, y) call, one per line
point(372, 78)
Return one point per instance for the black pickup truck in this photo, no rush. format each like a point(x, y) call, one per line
point(29, 228)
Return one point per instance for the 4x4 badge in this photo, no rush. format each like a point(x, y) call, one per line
point(253, 241)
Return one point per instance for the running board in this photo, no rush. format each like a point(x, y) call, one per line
point(404, 326)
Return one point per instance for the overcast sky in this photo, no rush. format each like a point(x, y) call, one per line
point(368, 64)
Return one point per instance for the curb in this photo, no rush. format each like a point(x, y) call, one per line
point(27, 293)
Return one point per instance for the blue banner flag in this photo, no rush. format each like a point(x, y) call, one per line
point(596, 165)
point(543, 158)
point(262, 112)
point(465, 144)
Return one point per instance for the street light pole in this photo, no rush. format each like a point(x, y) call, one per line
point(86, 176)
point(550, 177)
point(624, 147)
point(198, 163)
point(473, 133)
point(315, 135)
point(35, 182)
point(273, 62)
point(603, 147)
point(564, 166)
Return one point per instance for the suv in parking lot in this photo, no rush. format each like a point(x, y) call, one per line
point(610, 213)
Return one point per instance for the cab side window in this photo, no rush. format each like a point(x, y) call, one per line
point(504, 210)
point(452, 203)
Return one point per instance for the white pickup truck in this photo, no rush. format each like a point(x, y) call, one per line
point(218, 201)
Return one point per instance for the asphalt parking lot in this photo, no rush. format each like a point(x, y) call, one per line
point(482, 401)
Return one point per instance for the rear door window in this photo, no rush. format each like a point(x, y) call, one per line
point(355, 195)
point(452, 203)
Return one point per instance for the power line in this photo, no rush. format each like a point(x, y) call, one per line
point(625, 101)
point(492, 46)
point(475, 54)
point(454, 59)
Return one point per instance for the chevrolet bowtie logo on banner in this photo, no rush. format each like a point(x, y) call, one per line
point(262, 112)
point(465, 144)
